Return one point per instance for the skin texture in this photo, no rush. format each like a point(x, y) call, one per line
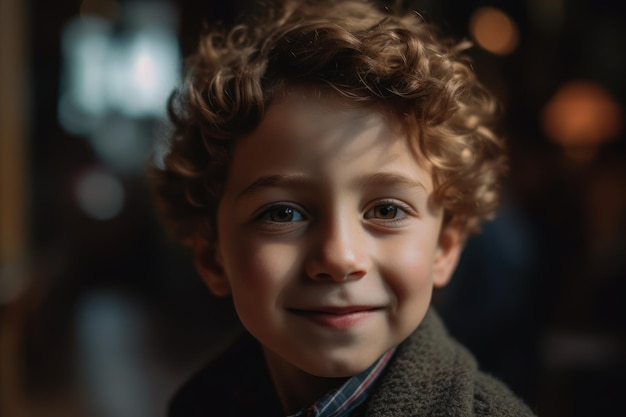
point(327, 241)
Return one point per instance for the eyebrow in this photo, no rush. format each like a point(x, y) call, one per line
point(379, 179)
point(287, 181)
point(388, 180)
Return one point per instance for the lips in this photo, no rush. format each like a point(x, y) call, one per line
point(341, 318)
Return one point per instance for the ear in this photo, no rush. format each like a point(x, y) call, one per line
point(208, 263)
point(451, 241)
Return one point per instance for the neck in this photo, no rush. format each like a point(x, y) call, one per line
point(295, 388)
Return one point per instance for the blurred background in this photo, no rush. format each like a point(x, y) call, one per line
point(102, 316)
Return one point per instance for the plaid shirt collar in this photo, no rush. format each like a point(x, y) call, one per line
point(342, 401)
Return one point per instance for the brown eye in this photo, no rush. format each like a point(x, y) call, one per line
point(387, 212)
point(390, 214)
point(281, 214)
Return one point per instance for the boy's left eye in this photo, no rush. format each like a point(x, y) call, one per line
point(387, 211)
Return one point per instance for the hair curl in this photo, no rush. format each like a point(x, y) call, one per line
point(368, 55)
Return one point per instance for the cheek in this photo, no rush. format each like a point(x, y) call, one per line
point(256, 265)
point(409, 265)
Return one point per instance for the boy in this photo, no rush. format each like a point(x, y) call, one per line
point(329, 160)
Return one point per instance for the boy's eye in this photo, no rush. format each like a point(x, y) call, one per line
point(391, 212)
point(282, 214)
point(387, 212)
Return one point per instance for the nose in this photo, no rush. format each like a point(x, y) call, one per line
point(338, 253)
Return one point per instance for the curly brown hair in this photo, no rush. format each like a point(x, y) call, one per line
point(365, 53)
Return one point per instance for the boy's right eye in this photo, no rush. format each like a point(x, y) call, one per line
point(282, 214)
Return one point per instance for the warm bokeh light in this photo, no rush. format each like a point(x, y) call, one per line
point(580, 116)
point(494, 30)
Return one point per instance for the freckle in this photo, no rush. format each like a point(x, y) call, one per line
point(466, 154)
point(489, 196)
point(472, 121)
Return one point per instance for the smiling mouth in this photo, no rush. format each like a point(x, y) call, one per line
point(341, 318)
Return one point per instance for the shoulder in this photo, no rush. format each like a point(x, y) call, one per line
point(431, 374)
point(493, 398)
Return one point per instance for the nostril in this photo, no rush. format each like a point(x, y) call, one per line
point(357, 274)
point(323, 276)
point(338, 277)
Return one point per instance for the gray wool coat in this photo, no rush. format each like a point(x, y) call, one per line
point(430, 375)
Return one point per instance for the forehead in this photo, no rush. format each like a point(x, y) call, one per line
point(318, 133)
point(303, 114)
point(325, 123)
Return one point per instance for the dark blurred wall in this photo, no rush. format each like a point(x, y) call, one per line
point(538, 296)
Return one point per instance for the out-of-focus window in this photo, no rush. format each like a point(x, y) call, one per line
point(120, 63)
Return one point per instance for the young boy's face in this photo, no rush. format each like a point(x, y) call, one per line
point(326, 238)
